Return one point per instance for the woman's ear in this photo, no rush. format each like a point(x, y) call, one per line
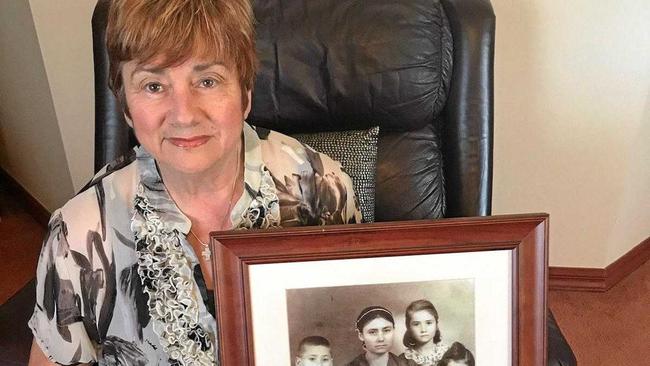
point(247, 110)
point(128, 120)
point(360, 335)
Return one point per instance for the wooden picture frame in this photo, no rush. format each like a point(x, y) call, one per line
point(523, 237)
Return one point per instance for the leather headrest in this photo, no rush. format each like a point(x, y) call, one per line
point(345, 64)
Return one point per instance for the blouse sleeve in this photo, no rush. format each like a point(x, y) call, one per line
point(312, 188)
point(67, 291)
point(335, 190)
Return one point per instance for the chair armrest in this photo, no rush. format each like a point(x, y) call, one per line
point(467, 130)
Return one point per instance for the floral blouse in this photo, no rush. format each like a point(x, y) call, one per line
point(414, 358)
point(119, 284)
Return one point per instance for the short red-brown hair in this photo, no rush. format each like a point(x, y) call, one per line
point(172, 31)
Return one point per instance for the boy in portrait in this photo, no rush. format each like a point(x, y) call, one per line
point(314, 351)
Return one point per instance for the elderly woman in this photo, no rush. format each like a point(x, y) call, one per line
point(124, 276)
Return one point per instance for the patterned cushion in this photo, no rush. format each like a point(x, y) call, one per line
point(357, 152)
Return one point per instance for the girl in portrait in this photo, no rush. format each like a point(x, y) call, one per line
point(422, 340)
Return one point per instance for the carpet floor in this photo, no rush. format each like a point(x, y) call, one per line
point(608, 328)
point(20, 244)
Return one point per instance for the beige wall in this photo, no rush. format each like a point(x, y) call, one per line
point(31, 149)
point(572, 122)
point(63, 28)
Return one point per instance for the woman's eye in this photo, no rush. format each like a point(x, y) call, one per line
point(429, 322)
point(208, 83)
point(153, 87)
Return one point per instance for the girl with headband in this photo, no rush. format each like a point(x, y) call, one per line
point(375, 328)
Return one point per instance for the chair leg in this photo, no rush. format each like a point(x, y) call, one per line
point(559, 352)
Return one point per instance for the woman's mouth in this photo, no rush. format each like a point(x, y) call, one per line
point(188, 142)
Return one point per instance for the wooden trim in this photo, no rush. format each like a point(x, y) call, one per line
point(599, 279)
point(577, 279)
point(628, 263)
point(32, 205)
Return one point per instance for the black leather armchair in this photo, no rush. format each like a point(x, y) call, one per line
point(422, 70)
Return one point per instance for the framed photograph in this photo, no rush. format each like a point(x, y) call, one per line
point(279, 293)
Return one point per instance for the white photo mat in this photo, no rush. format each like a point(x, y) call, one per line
point(490, 270)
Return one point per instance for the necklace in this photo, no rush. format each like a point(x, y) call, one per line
point(205, 252)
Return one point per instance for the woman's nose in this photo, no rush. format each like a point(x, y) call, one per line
point(183, 107)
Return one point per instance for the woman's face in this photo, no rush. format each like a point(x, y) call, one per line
point(189, 116)
point(377, 336)
point(423, 326)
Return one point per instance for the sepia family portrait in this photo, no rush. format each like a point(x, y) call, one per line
point(429, 323)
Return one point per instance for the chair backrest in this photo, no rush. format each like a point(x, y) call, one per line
point(422, 70)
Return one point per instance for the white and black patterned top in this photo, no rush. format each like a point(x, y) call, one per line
point(119, 284)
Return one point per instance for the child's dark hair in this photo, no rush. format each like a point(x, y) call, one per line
point(457, 352)
point(418, 305)
point(313, 341)
point(373, 312)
